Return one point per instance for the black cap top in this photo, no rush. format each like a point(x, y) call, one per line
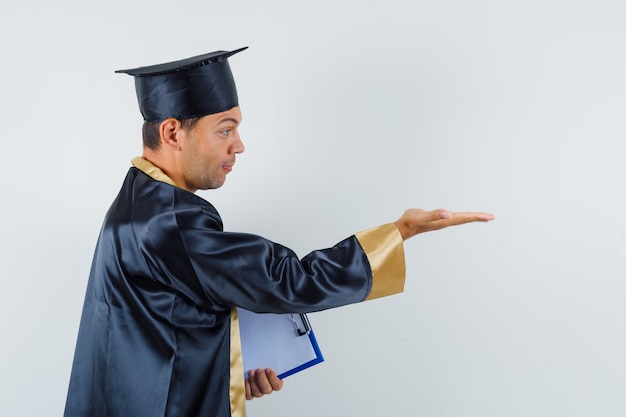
point(188, 88)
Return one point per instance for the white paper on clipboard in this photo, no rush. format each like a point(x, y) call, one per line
point(273, 341)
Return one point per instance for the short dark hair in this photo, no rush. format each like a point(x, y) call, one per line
point(151, 136)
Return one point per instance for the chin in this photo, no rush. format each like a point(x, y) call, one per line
point(213, 186)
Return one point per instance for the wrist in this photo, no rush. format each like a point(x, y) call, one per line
point(403, 229)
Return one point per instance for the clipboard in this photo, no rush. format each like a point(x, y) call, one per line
point(283, 342)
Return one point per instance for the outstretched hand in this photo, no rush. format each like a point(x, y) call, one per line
point(415, 221)
point(261, 382)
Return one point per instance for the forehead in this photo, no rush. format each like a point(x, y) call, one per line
point(230, 116)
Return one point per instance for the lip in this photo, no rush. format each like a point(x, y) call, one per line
point(228, 167)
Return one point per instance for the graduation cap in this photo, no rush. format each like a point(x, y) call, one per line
point(185, 89)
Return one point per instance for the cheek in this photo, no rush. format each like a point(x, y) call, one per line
point(203, 163)
point(195, 163)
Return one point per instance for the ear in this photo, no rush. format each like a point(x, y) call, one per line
point(170, 131)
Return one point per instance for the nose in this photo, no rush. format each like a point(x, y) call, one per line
point(238, 146)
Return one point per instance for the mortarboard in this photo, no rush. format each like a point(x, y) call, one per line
point(188, 88)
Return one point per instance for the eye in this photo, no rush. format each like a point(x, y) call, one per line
point(226, 132)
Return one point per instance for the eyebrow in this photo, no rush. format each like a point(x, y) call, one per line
point(229, 119)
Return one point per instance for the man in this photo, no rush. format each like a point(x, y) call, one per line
point(159, 330)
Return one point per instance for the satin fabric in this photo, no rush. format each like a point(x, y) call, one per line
point(185, 89)
point(385, 252)
point(154, 338)
point(237, 377)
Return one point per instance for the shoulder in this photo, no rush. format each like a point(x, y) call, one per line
point(156, 198)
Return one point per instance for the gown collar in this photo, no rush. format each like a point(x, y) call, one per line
point(151, 170)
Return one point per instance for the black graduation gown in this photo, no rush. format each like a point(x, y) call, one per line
point(155, 333)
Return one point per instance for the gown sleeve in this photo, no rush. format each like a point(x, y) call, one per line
point(190, 253)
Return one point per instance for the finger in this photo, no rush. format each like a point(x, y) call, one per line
point(469, 217)
point(428, 220)
point(248, 391)
point(255, 391)
point(262, 382)
point(273, 379)
point(434, 219)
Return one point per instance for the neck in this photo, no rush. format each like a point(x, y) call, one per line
point(169, 164)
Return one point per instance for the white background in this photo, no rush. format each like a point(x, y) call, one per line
point(353, 111)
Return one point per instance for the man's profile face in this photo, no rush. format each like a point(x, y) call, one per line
point(209, 150)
